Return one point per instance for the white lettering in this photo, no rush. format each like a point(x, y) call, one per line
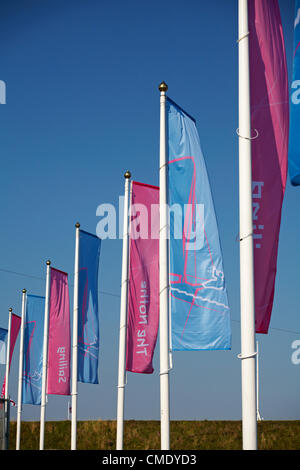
point(296, 94)
point(2, 92)
point(106, 227)
point(257, 194)
point(296, 354)
point(62, 364)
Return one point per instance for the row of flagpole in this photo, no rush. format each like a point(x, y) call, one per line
point(45, 356)
point(248, 351)
point(248, 356)
point(247, 287)
point(163, 293)
point(44, 342)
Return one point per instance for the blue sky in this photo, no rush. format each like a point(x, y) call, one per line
point(82, 107)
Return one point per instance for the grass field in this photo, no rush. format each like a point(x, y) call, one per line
point(145, 435)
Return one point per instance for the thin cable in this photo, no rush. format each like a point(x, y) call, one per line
point(118, 296)
point(43, 279)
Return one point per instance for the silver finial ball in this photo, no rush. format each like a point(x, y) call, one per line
point(127, 174)
point(48, 262)
point(77, 225)
point(163, 87)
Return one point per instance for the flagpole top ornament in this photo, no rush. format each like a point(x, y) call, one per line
point(127, 174)
point(163, 87)
point(10, 309)
point(48, 262)
point(24, 291)
point(77, 225)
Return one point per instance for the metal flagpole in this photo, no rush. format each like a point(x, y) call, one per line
point(123, 318)
point(163, 278)
point(75, 343)
point(257, 385)
point(18, 434)
point(7, 355)
point(7, 403)
point(247, 356)
point(45, 358)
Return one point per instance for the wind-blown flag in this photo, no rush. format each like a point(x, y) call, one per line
point(199, 306)
point(33, 350)
point(14, 331)
point(294, 143)
point(3, 336)
point(270, 127)
point(88, 319)
point(59, 353)
point(143, 292)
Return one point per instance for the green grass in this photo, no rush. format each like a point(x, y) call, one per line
point(145, 435)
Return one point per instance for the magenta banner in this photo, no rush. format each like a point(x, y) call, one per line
point(270, 128)
point(15, 328)
point(59, 353)
point(143, 291)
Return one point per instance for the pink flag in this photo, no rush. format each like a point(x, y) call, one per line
point(14, 331)
point(59, 335)
point(143, 292)
point(270, 125)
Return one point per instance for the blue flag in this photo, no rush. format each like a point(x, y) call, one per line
point(33, 350)
point(200, 315)
point(294, 141)
point(88, 321)
point(3, 336)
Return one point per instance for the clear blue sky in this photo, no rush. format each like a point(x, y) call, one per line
point(83, 107)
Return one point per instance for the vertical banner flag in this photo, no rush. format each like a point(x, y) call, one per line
point(14, 331)
point(88, 320)
point(143, 293)
point(59, 353)
point(3, 336)
point(200, 314)
point(294, 146)
point(270, 126)
point(33, 350)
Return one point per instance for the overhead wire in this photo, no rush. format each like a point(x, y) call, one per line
point(9, 271)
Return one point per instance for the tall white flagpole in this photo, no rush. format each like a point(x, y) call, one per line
point(163, 278)
point(247, 305)
point(18, 434)
point(75, 343)
point(257, 384)
point(7, 403)
point(123, 318)
point(45, 357)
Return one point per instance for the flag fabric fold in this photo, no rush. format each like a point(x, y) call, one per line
point(143, 290)
point(294, 148)
point(270, 127)
point(33, 350)
point(200, 314)
point(59, 353)
point(88, 315)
